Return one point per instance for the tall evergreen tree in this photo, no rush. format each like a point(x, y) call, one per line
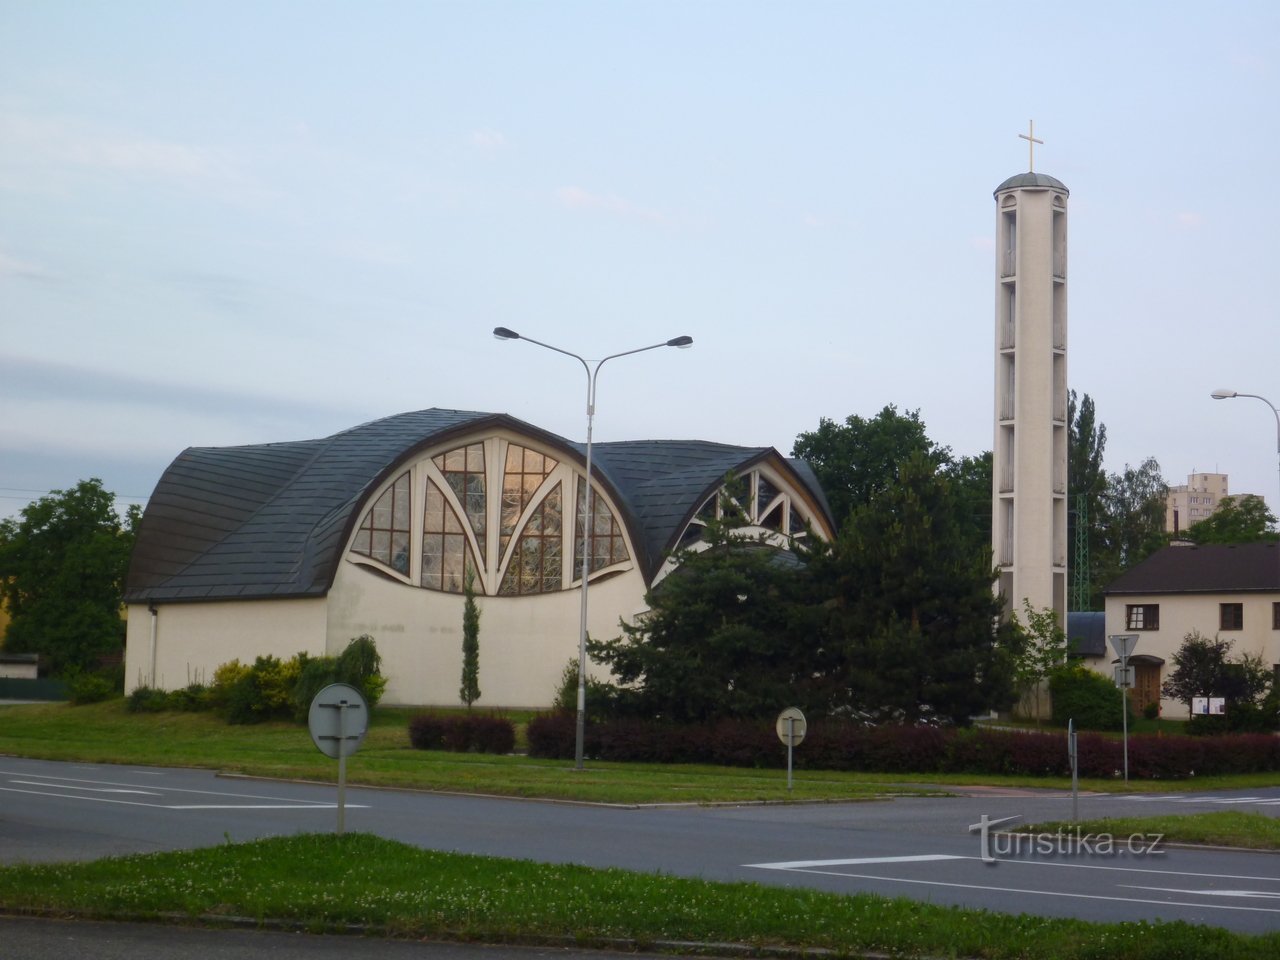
point(469, 693)
point(914, 618)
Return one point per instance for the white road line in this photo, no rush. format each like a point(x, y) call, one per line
point(290, 805)
point(64, 782)
point(804, 864)
point(61, 786)
point(1264, 894)
point(1041, 893)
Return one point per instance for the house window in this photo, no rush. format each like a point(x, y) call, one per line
point(1231, 616)
point(1142, 616)
point(536, 562)
point(1275, 616)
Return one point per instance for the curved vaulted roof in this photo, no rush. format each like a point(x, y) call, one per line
point(272, 520)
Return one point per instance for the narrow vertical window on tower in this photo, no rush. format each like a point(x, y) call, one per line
point(1009, 249)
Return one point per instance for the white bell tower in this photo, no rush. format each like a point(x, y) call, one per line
point(1029, 519)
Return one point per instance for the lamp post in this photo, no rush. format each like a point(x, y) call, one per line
point(502, 333)
point(1231, 394)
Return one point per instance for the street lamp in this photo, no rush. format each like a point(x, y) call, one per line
point(1231, 394)
point(502, 333)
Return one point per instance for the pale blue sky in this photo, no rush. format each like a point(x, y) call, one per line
point(238, 222)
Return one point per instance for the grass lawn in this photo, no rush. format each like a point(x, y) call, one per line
point(1225, 828)
point(327, 883)
point(106, 733)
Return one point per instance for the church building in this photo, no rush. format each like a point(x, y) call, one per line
point(280, 548)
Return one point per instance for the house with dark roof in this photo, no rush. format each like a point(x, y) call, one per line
point(280, 548)
point(1231, 591)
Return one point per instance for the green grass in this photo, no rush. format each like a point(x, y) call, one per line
point(1225, 828)
point(328, 883)
point(107, 733)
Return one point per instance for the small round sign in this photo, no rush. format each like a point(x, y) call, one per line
point(338, 720)
point(791, 726)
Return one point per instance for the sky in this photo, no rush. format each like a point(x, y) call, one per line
point(240, 222)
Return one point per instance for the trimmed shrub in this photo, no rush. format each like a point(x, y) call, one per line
point(1088, 698)
point(85, 688)
point(479, 733)
point(147, 700)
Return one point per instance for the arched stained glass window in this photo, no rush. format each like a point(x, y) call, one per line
point(446, 554)
point(463, 471)
point(536, 563)
point(524, 473)
point(607, 543)
point(383, 535)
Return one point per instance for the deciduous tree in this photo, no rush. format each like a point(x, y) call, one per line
point(62, 570)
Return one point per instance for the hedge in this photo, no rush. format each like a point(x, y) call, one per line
point(463, 733)
point(903, 749)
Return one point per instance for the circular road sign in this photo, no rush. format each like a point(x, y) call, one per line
point(338, 720)
point(791, 726)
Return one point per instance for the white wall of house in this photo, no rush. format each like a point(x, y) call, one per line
point(1182, 613)
point(191, 640)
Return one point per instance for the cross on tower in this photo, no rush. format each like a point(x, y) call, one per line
point(1030, 137)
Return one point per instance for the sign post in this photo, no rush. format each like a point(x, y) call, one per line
point(1074, 756)
point(338, 720)
point(791, 727)
point(1123, 644)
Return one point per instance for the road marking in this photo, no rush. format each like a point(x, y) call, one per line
point(61, 786)
point(803, 865)
point(1265, 894)
point(1040, 893)
point(288, 805)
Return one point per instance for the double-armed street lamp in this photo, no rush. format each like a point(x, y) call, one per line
point(502, 333)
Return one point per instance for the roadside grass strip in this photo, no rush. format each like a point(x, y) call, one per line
point(330, 883)
point(1221, 828)
point(107, 733)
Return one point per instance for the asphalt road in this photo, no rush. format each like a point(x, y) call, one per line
point(917, 847)
point(37, 939)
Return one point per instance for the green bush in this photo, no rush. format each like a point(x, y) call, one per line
point(147, 700)
point(359, 666)
point(264, 692)
point(1088, 698)
point(85, 688)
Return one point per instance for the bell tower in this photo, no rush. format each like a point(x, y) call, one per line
point(1029, 519)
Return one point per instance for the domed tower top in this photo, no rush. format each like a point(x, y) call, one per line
point(1030, 179)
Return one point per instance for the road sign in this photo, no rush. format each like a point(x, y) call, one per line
point(1123, 644)
point(338, 720)
point(1124, 677)
point(791, 726)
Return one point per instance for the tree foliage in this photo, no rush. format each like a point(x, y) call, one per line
point(914, 627)
point(62, 571)
point(856, 460)
point(723, 637)
point(1241, 519)
point(1042, 651)
point(1086, 487)
point(1205, 668)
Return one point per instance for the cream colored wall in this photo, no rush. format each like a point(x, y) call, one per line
point(525, 642)
point(194, 639)
point(1179, 615)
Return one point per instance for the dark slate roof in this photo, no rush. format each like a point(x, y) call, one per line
point(1034, 180)
point(1207, 568)
point(1087, 633)
point(270, 520)
point(663, 483)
